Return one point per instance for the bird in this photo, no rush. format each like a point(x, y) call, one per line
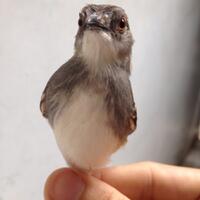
point(88, 101)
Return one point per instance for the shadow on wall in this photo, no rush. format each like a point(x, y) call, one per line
point(193, 88)
point(191, 155)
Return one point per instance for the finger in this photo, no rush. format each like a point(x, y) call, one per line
point(131, 180)
point(152, 180)
point(96, 189)
point(65, 184)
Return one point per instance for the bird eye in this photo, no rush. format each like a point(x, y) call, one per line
point(122, 23)
point(80, 22)
point(81, 19)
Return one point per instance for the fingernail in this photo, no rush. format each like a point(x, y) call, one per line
point(67, 186)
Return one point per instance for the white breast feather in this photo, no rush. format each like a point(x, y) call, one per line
point(82, 129)
point(83, 133)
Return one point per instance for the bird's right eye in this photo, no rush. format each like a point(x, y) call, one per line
point(80, 21)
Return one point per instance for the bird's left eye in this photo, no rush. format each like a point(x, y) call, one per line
point(122, 24)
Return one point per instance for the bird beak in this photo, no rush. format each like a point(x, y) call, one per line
point(96, 22)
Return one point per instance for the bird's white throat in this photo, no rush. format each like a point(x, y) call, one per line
point(98, 49)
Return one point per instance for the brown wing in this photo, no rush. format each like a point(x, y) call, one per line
point(65, 79)
point(132, 122)
point(43, 104)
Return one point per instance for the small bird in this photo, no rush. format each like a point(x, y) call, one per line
point(88, 101)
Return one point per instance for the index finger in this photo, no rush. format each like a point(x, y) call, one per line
point(150, 180)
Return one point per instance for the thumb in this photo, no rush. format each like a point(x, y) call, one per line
point(65, 184)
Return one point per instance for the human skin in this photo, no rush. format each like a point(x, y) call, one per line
point(141, 181)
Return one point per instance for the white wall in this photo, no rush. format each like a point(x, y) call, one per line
point(36, 37)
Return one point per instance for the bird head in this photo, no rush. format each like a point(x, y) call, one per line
point(104, 35)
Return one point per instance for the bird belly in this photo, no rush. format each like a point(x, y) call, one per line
point(83, 132)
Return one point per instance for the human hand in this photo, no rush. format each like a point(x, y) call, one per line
point(140, 181)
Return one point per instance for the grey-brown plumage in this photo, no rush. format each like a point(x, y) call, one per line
point(99, 70)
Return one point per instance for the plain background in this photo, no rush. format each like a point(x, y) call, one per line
point(36, 37)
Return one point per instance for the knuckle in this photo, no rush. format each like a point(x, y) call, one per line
point(148, 163)
point(112, 195)
point(108, 196)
